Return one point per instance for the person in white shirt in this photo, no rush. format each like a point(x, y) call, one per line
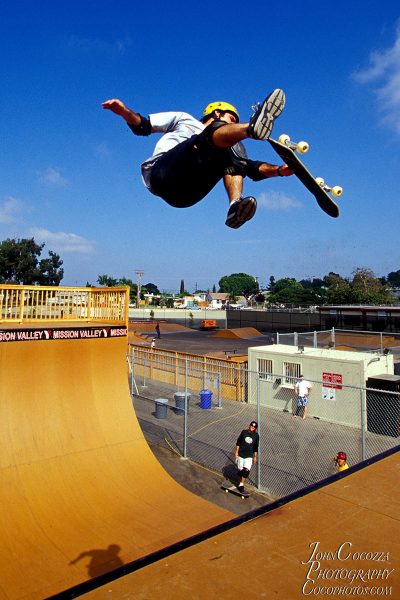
point(192, 155)
point(302, 390)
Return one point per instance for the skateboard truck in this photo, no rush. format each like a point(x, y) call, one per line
point(301, 147)
point(336, 190)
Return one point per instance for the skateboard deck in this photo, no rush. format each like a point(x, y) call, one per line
point(229, 487)
point(317, 187)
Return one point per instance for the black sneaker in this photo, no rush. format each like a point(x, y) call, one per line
point(262, 121)
point(240, 211)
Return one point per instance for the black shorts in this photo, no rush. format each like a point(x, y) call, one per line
point(188, 172)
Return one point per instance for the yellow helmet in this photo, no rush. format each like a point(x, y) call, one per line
point(223, 106)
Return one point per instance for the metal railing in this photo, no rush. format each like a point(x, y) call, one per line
point(19, 304)
point(343, 338)
point(172, 367)
point(293, 453)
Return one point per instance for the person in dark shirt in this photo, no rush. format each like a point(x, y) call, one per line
point(246, 452)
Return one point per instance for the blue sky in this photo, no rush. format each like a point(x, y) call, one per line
point(70, 171)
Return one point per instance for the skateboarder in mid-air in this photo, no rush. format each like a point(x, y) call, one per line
point(192, 155)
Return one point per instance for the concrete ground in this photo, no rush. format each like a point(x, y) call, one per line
point(205, 483)
point(203, 342)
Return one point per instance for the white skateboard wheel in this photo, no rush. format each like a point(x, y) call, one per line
point(284, 139)
point(337, 191)
point(302, 147)
point(320, 181)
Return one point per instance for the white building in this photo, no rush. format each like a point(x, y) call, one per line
point(335, 375)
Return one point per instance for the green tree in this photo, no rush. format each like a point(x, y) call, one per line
point(50, 271)
point(259, 298)
point(368, 289)
point(151, 288)
point(238, 284)
point(394, 278)
point(20, 264)
point(107, 281)
point(271, 283)
point(338, 289)
point(287, 291)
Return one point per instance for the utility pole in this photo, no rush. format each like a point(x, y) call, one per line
point(138, 274)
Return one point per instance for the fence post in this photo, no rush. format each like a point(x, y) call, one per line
point(144, 368)
point(132, 376)
point(258, 482)
point(185, 424)
point(218, 376)
point(363, 422)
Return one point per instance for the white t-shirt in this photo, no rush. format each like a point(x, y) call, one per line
point(302, 387)
point(177, 127)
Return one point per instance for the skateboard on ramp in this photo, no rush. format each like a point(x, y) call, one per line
point(229, 487)
point(287, 149)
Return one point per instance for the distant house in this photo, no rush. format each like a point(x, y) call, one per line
point(187, 302)
point(220, 300)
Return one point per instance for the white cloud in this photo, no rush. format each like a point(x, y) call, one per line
point(102, 150)
point(63, 242)
point(52, 176)
point(383, 73)
point(277, 201)
point(10, 210)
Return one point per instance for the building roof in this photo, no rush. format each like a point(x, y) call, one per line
point(327, 353)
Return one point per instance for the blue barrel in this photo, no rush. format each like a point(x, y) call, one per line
point(161, 408)
point(206, 398)
point(180, 402)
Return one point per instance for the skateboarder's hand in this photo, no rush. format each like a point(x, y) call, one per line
point(119, 108)
point(285, 171)
point(116, 106)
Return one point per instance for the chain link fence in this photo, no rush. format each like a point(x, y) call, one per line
point(187, 405)
point(342, 338)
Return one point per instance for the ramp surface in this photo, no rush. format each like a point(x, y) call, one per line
point(337, 542)
point(238, 332)
point(81, 492)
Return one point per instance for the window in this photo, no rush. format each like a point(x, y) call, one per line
point(264, 369)
point(291, 372)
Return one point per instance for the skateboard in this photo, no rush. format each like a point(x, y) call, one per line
point(230, 488)
point(316, 185)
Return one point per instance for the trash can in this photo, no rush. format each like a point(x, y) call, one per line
point(161, 408)
point(206, 399)
point(180, 402)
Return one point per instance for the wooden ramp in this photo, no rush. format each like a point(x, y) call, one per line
point(81, 492)
point(342, 536)
point(239, 332)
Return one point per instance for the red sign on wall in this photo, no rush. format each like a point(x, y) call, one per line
point(332, 380)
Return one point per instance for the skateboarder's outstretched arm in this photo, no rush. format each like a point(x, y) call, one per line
point(138, 124)
point(268, 170)
point(119, 108)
